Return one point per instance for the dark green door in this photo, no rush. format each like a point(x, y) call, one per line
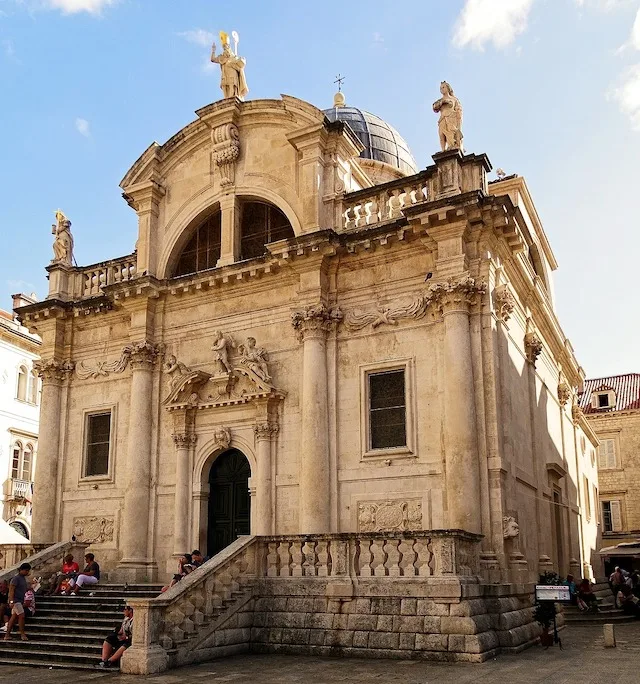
point(229, 501)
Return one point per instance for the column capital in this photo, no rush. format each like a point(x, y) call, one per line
point(184, 440)
point(457, 294)
point(315, 320)
point(532, 346)
point(143, 355)
point(53, 370)
point(265, 431)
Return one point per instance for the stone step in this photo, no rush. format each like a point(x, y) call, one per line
point(66, 631)
point(79, 612)
point(598, 618)
point(48, 664)
point(54, 622)
point(10, 651)
point(44, 634)
point(52, 646)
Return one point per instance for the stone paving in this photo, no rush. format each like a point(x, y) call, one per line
point(583, 659)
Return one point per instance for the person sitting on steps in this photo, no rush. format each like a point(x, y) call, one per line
point(117, 643)
point(90, 574)
point(70, 570)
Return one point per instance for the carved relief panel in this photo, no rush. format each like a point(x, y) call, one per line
point(383, 516)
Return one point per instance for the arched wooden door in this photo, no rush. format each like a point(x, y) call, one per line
point(229, 500)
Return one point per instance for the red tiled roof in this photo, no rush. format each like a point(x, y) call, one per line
point(626, 388)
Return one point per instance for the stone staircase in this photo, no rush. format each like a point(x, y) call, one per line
point(68, 631)
point(607, 612)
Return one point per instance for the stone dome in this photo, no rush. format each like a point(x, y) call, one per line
point(381, 141)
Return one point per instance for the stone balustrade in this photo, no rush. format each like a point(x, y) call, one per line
point(390, 554)
point(90, 281)
point(45, 559)
point(383, 202)
point(210, 612)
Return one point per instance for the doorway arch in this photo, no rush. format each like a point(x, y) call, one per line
point(229, 510)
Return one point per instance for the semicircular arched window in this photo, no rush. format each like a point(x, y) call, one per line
point(203, 249)
point(260, 224)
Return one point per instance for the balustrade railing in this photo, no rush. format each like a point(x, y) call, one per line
point(93, 279)
point(45, 559)
point(20, 489)
point(383, 202)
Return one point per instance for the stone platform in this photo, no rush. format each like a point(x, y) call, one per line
point(583, 659)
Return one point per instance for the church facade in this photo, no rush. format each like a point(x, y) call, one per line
point(312, 336)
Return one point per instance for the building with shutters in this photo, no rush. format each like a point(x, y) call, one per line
point(612, 407)
point(317, 336)
point(19, 406)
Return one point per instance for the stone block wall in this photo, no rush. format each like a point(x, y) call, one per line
point(393, 619)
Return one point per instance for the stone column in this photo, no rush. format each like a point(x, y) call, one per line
point(454, 298)
point(52, 373)
point(230, 230)
point(134, 565)
point(265, 433)
point(311, 325)
point(181, 530)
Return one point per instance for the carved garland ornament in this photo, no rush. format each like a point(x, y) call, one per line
point(504, 302)
point(445, 295)
point(533, 347)
point(226, 150)
point(138, 355)
point(316, 319)
point(400, 515)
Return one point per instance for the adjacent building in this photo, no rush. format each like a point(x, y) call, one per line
point(19, 408)
point(612, 407)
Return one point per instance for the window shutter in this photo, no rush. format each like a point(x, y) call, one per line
point(594, 401)
point(610, 446)
point(616, 516)
point(602, 457)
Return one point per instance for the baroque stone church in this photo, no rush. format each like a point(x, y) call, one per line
point(316, 336)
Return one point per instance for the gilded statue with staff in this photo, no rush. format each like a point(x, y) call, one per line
point(232, 80)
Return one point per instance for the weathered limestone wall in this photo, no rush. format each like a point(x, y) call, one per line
point(393, 619)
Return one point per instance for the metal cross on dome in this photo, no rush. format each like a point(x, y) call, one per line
point(339, 80)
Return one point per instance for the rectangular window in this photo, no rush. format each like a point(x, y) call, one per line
point(587, 497)
point(15, 463)
point(387, 410)
point(611, 516)
point(98, 444)
point(603, 401)
point(607, 454)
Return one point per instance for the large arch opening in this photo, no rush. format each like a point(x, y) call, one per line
point(258, 223)
point(229, 511)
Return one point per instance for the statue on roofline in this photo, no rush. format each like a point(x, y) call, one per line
point(232, 80)
point(63, 241)
point(450, 121)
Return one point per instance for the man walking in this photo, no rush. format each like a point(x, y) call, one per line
point(17, 589)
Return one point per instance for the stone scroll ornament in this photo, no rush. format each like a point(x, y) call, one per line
point(226, 150)
point(465, 289)
point(143, 351)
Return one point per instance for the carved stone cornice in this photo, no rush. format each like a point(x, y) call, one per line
point(457, 294)
point(226, 150)
point(315, 320)
point(265, 430)
point(504, 302)
point(143, 355)
point(184, 440)
point(532, 347)
point(53, 370)
point(564, 393)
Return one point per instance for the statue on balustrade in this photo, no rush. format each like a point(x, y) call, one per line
point(450, 121)
point(63, 241)
point(232, 79)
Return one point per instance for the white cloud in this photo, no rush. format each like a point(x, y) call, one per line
point(198, 36)
point(9, 50)
point(605, 5)
point(491, 21)
point(627, 94)
point(82, 126)
point(75, 6)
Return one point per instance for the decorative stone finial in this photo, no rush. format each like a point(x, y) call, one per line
point(338, 98)
point(450, 121)
point(63, 241)
point(232, 80)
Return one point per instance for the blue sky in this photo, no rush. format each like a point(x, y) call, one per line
point(550, 88)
